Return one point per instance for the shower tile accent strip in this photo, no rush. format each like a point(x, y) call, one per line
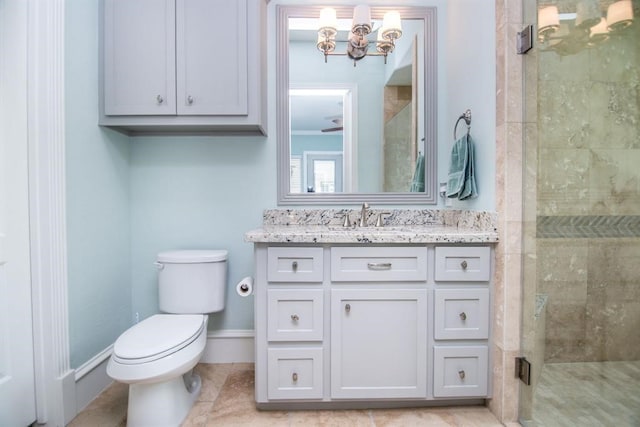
point(588, 226)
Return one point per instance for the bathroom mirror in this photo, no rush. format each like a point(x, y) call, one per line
point(350, 131)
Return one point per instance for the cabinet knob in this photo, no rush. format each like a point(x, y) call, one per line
point(295, 317)
point(189, 99)
point(461, 374)
point(463, 316)
point(294, 266)
point(294, 377)
point(347, 308)
point(463, 264)
point(159, 99)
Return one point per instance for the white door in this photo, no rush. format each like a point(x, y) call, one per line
point(17, 392)
point(378, 343)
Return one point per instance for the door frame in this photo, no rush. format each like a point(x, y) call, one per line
point(54, 379)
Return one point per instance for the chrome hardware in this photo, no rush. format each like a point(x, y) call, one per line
point(347, 221)
point(363, 215)
point(294, 377)
point(464, 265)
point(159, 99)
point(294, 266)
point(379, 221)
point(295, 317)
point(463, 316)
point(379, 265)
point(347, 308)
point(189, 99)
point(244, 287)
point(159, 265)
point(461, 374)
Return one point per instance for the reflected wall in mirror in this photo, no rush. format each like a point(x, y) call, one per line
point(356, 130)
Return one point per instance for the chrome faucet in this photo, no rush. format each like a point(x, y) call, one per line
point(363, 214)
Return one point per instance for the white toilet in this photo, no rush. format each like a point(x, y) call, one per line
point(156, 356)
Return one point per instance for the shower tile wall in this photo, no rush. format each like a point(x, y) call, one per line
point(588, 199)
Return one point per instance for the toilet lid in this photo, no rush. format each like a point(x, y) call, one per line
point(158, 336)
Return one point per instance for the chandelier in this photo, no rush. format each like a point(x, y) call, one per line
point(357, 42)
point(585, 28)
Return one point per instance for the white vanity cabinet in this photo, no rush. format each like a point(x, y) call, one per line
point(338, 324)
point(461, 321)
point(183, 65)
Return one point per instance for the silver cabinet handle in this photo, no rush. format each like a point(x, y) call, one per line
point(461, 374)
point(159, 99)
point(294, 266)
point(464, 265)
point(463, 316)
point(347, 308)
point(295, 317)
point(379, 266)
point(294, 377)
point(189, 99)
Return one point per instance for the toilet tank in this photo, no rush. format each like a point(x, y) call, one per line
point(192, 281)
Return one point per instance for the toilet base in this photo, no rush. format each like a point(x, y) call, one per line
point(163, 404)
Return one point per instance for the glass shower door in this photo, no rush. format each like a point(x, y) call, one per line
point(581, 313)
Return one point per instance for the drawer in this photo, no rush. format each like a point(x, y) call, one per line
point(294, 315)
point(460, 371)
point(294, 265)
point(463, 264)
point(461, 314)
point(294, 373)
point(366, 264)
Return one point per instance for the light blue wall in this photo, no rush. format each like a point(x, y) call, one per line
point(198, 193)
point(326, 142)
point(98, 199)
point(132, 197)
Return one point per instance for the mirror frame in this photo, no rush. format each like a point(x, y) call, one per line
point(429, 196)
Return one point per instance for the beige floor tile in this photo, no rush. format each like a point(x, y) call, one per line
point(109, 409)
point(213, 377)
point(331, 418)
point(412, 417)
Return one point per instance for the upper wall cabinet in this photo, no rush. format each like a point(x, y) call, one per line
point(184, 66)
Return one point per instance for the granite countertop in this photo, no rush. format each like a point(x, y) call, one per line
point(400, 226)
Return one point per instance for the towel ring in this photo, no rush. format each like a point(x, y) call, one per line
point(466, 116)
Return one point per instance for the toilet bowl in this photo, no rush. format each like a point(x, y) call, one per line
point(156, 357)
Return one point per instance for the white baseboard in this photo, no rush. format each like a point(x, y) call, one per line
point(229, 346)
point(91, 378)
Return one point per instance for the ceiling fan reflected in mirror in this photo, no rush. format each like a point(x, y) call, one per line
point(337, 121)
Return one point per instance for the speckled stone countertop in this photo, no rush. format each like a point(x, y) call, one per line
point(399, 226)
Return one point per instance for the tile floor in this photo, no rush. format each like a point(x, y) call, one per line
point(588, 394)
point(227, 400)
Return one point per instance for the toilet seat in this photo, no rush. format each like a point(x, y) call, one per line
point(157, 336)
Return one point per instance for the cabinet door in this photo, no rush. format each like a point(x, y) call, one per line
point(139, 57)
point(378, 343)
point(212, 57)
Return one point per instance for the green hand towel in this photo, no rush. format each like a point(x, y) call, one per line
point(417, 185)
point(457, 167)
point(469, 190)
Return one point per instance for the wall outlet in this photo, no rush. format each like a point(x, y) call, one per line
point(137, 317)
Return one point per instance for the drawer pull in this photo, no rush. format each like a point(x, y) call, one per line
point(159, 99)
point(464, 265)
point(294, 377)
point(463, 316)
point(295, 317)
point(461, 374)
point(294, 266)
point(379, 265)
point(347, 308)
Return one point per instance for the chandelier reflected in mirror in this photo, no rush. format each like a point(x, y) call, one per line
point(357, 43)
point(589, 25)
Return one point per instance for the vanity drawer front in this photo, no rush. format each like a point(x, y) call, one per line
point(294, 373)
point(461, 314)
point(365, 264)
point(460, 371)
point(463, 264)
point(294, 265)
point(294, 315)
